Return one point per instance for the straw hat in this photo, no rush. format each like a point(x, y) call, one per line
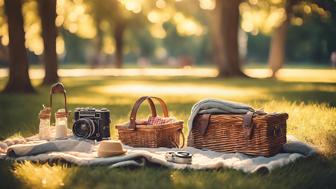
point(108, 148)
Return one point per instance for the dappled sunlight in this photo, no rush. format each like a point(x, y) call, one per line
point(308, 75)
point(190, 90)
point(38, 73)
point(285, 74)
point(272, 55)
point(98, 100)
point(296, 74)
point(198, 72)
point(42, 176)
point(302, 88)
point(313, 123)
point(258, 73)
point(118, 94)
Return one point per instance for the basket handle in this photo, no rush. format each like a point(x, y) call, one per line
point(137, 104)
point(58, 88)
point(183, 140)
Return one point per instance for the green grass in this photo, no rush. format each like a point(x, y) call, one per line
point(310, 104)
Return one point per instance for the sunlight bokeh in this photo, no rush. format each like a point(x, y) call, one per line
point(264, 16)
point(42, 175)
point(187, 26)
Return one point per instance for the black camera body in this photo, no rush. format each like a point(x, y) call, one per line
point(91, 123)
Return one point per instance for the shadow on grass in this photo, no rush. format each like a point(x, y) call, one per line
point(8, 180)
point(292, 91)
point(314, 172)
point(19, 112)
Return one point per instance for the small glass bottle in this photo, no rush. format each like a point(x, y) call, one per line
point(61, 125)
point(44, 127)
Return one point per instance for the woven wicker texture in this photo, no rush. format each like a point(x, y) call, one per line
point(225, 133)
point(150, 136)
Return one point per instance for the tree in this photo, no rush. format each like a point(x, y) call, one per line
point(278, 42)
point(47, 11)
point(117, 22)
point(120, 20)
point(19, 80)
point(118, 34)
point(225, 38)
point(98, 44)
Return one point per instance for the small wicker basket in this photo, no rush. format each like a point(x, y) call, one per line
point(253, 134)
point(140, 134)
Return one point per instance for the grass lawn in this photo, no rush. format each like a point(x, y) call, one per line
point(310, 104)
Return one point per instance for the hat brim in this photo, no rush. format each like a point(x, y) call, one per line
point(110, 154)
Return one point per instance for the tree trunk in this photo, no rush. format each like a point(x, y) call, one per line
point(19, 80)
point(277, 52)
point(97, 58)
point(47, 11)
point(119, 44)
point(225, 38)
point(98, 43)
point(3, 52)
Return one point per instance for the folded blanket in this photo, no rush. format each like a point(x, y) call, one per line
point(42, 147)
point(84, 153)
point(214, 106)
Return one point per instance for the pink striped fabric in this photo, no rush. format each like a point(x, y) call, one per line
point(160, 120)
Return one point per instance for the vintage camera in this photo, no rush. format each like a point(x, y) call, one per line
point(91, 123)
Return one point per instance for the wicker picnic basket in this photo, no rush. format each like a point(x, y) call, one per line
point(253, 134)
point(140, 134)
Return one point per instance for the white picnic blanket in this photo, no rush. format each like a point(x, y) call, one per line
point(84, 153)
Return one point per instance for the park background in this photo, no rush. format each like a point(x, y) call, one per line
point(272, 54)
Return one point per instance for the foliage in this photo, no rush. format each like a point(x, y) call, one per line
point(162, 24)
point(320, 44)
point(316, 49)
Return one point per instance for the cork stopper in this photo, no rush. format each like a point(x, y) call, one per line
point(45, 113)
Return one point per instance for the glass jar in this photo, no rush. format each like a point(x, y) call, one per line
point(44, 126)
point(61, 125)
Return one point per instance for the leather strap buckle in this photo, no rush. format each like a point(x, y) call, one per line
point(203, 123)
point(248, 125)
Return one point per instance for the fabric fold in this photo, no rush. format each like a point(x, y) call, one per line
point(30, 149)
point(215, 106)
point(84, 153)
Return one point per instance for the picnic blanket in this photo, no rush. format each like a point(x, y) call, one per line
point(84, 153)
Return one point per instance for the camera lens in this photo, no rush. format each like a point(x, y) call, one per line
point(83, 128)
